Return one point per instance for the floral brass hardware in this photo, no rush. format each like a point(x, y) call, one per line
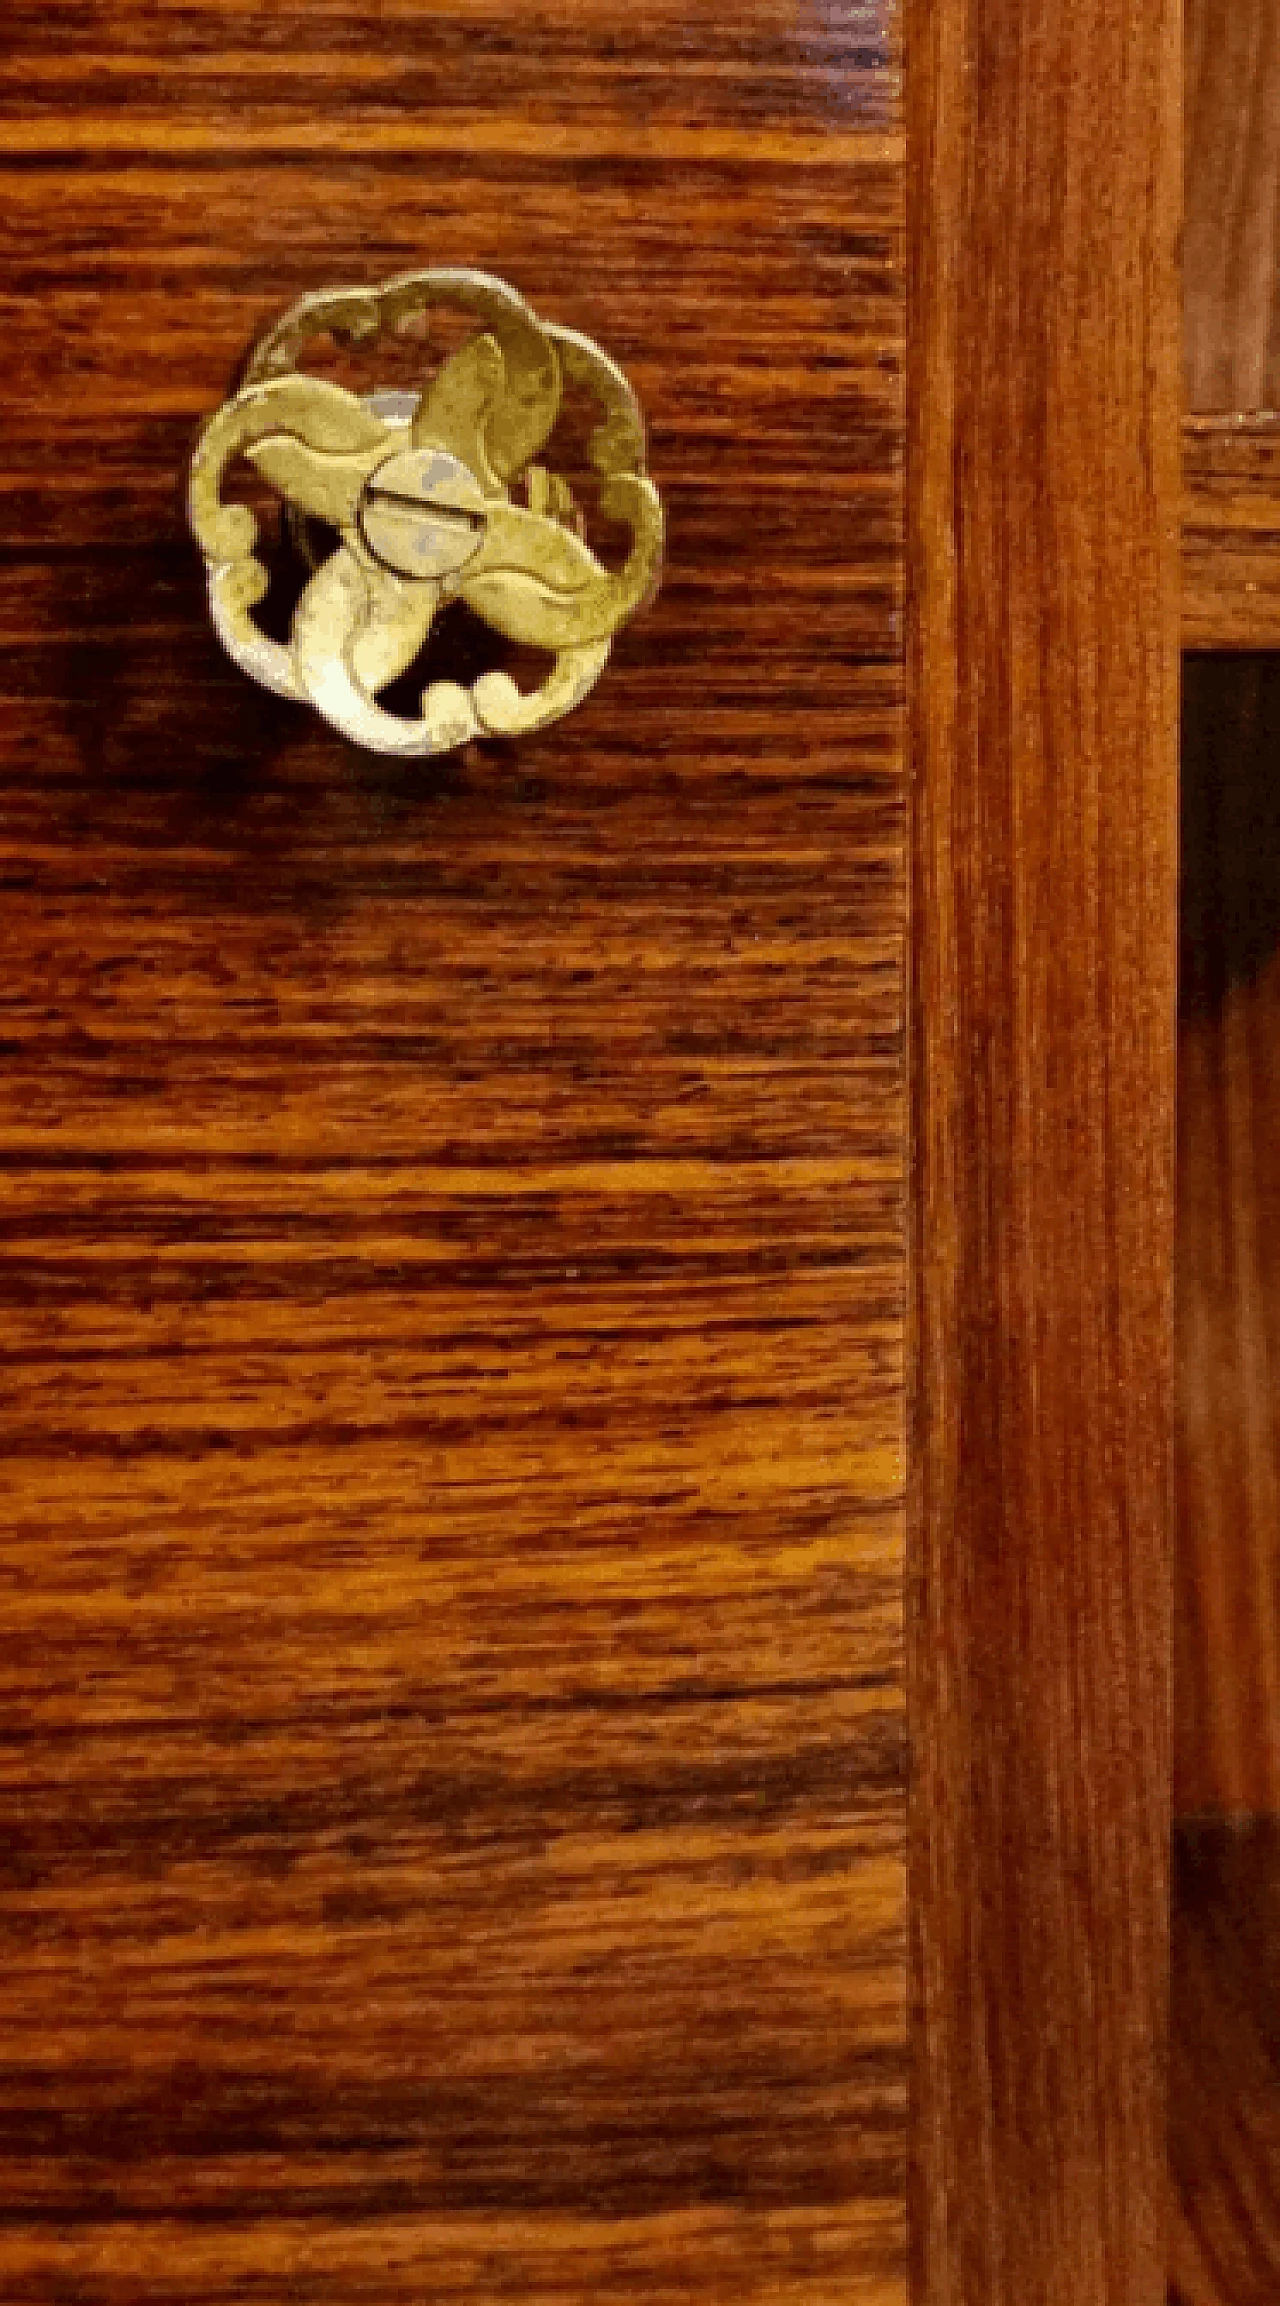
point(421, 490)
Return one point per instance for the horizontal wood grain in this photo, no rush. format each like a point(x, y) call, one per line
point(451, 1709)
point(1042, 566)
point(1231, 533)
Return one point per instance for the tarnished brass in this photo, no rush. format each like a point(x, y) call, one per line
point(419, 491)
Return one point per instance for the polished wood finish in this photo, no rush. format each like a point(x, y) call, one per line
point(1231, 243)
point(1228, 1683)
point(1225, 2089)
point(1225, 2084)
point(1043, 426)
point(450, 1569)
point(1224, 2131)
point(1231, 533)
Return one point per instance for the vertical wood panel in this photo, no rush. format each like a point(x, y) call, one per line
point(1228, 1681)
point(1231, 245)
point(1043, 400)
point(1224, 2113)
point(1224, 2100)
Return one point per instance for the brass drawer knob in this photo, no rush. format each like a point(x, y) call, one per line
point(415, 492)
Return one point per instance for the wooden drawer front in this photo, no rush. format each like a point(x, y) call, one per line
point(451, 1545)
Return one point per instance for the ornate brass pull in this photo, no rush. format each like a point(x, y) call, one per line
point(419, 490)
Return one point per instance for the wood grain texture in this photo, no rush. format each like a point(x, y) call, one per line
point(1231, 533)
point(1043, 499)
point(1228, 1677)
point(1231, 241)
point(451, 1710)
point(1224, 2125)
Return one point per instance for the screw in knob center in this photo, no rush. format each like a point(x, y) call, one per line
point(423, 513)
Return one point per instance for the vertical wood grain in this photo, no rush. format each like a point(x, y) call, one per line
point(1228, 1681)
point(1044, 476)
point(1231, 244)
point(1224, 2116)
point(1225, 2086)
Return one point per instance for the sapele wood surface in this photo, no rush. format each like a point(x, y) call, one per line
point(1231, 243)
point(1231, 533)
point(451, 1710)
point(1044, 463)
point(1228, 1681)
point(1225, 2082)
point(1224, 2128)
